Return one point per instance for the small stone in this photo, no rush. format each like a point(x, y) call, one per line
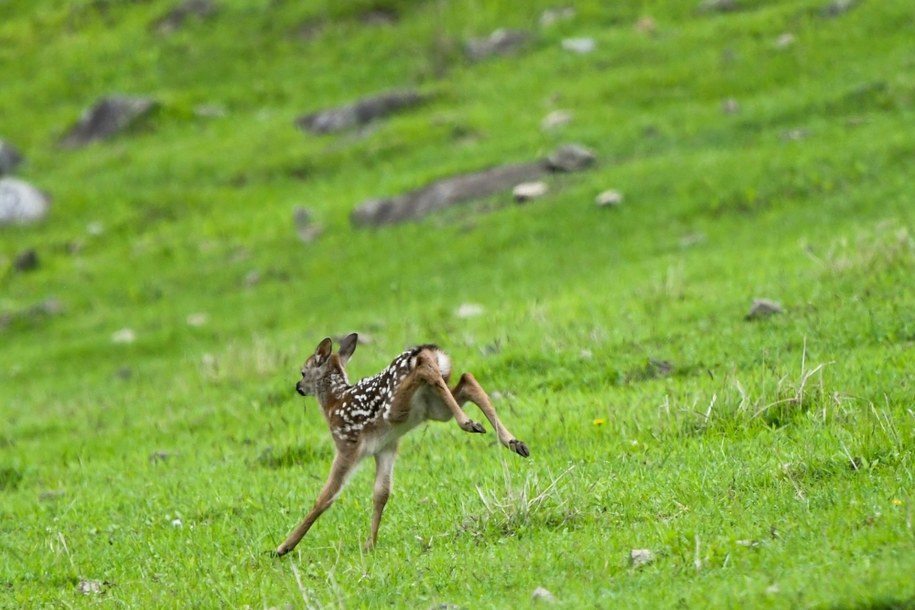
point(795, 135)
point(557, 118)
point(542, 595)
point(124, 336)
point(570, 158)
point(763, 308)
point(730, 106)
point(838, 7)
point(581, 46)
point(784, 41)
point(252, 278)
point(21, 203)
point(95, 229)
point(469, 310)
point(197, 319)
point(176, 522)
point(90, 587)
point(304, 227)
point(500, 42)
point(609, 199)
point(10, 158)
point(646, 25)
point(27, 260)
point(555, 15)
point(108, 117)
point(529, 190)
point(640, 557)
point(717, 6)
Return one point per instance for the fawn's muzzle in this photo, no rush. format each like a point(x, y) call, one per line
point(299, 389)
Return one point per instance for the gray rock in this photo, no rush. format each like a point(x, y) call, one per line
point(438, 195)
point(555, 15)
point(27, 260)
point(718, 6)
point(109, 116)
point(556, 119)
point(571, 158)
point(838, 7)
point(543, 595)
point(500, 42)
point(21, 203)
point(730, 106)
point(763, 308)
point(640, 557)
point(175, 18)
point(360, 112)
point(467, 187)
point(305, 228)
point(10, 158)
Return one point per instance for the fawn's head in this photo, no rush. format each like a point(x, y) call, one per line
point(323, 362)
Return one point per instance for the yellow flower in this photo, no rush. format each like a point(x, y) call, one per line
point(897, 502)
point(599, 421)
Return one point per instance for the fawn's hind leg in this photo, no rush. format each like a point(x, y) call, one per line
point(469, 390)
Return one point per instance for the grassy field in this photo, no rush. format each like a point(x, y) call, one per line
point(765, 463)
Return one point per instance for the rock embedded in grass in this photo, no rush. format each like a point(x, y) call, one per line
point(582, 46)
point(640, 557)
point(526, 191)
point(500, 42)
point(556, 119)
point(763, 308)
point(27, 260)
point(609, 199)
point(552, 16)
point(361, 111)
point(460, 188)
point(571, 158)
point(541, 594)
point(21, 203)
point(175, 18)
point(718, 6)
point(837, 8)
point(109, 116)
point(10, 158)
point(305, 228)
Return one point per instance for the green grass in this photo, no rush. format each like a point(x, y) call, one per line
point(771, 466)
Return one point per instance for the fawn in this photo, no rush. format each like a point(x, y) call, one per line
point(369, 417)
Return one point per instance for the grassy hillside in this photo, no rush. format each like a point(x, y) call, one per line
point(765, 463)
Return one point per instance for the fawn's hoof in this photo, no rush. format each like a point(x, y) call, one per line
point(280, 551)
point(519, 447)
point(472, 426)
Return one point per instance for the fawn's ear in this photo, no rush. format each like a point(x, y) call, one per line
point(322, 352)
point(347, 347)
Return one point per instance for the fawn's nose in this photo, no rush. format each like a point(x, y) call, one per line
point(299, 389)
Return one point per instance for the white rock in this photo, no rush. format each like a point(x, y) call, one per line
point(469, 310)
point(543, 595)
point(529, 190)
point(88, 587)
point(557, 118)
point(197, 319)
point(784, 41)
point(20, 202)
point(579, 45)
point(555, 15)
point(176, 522)
point(730, 106)
point(609, 198)
point(125, 335)
point(640, 557)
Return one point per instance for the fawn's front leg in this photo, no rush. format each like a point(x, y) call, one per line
point(339, 471)
point(384, 477)
point(468, 390)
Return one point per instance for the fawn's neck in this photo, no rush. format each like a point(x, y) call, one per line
point(330, 387)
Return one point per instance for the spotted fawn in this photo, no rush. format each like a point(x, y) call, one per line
point(368, 418)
